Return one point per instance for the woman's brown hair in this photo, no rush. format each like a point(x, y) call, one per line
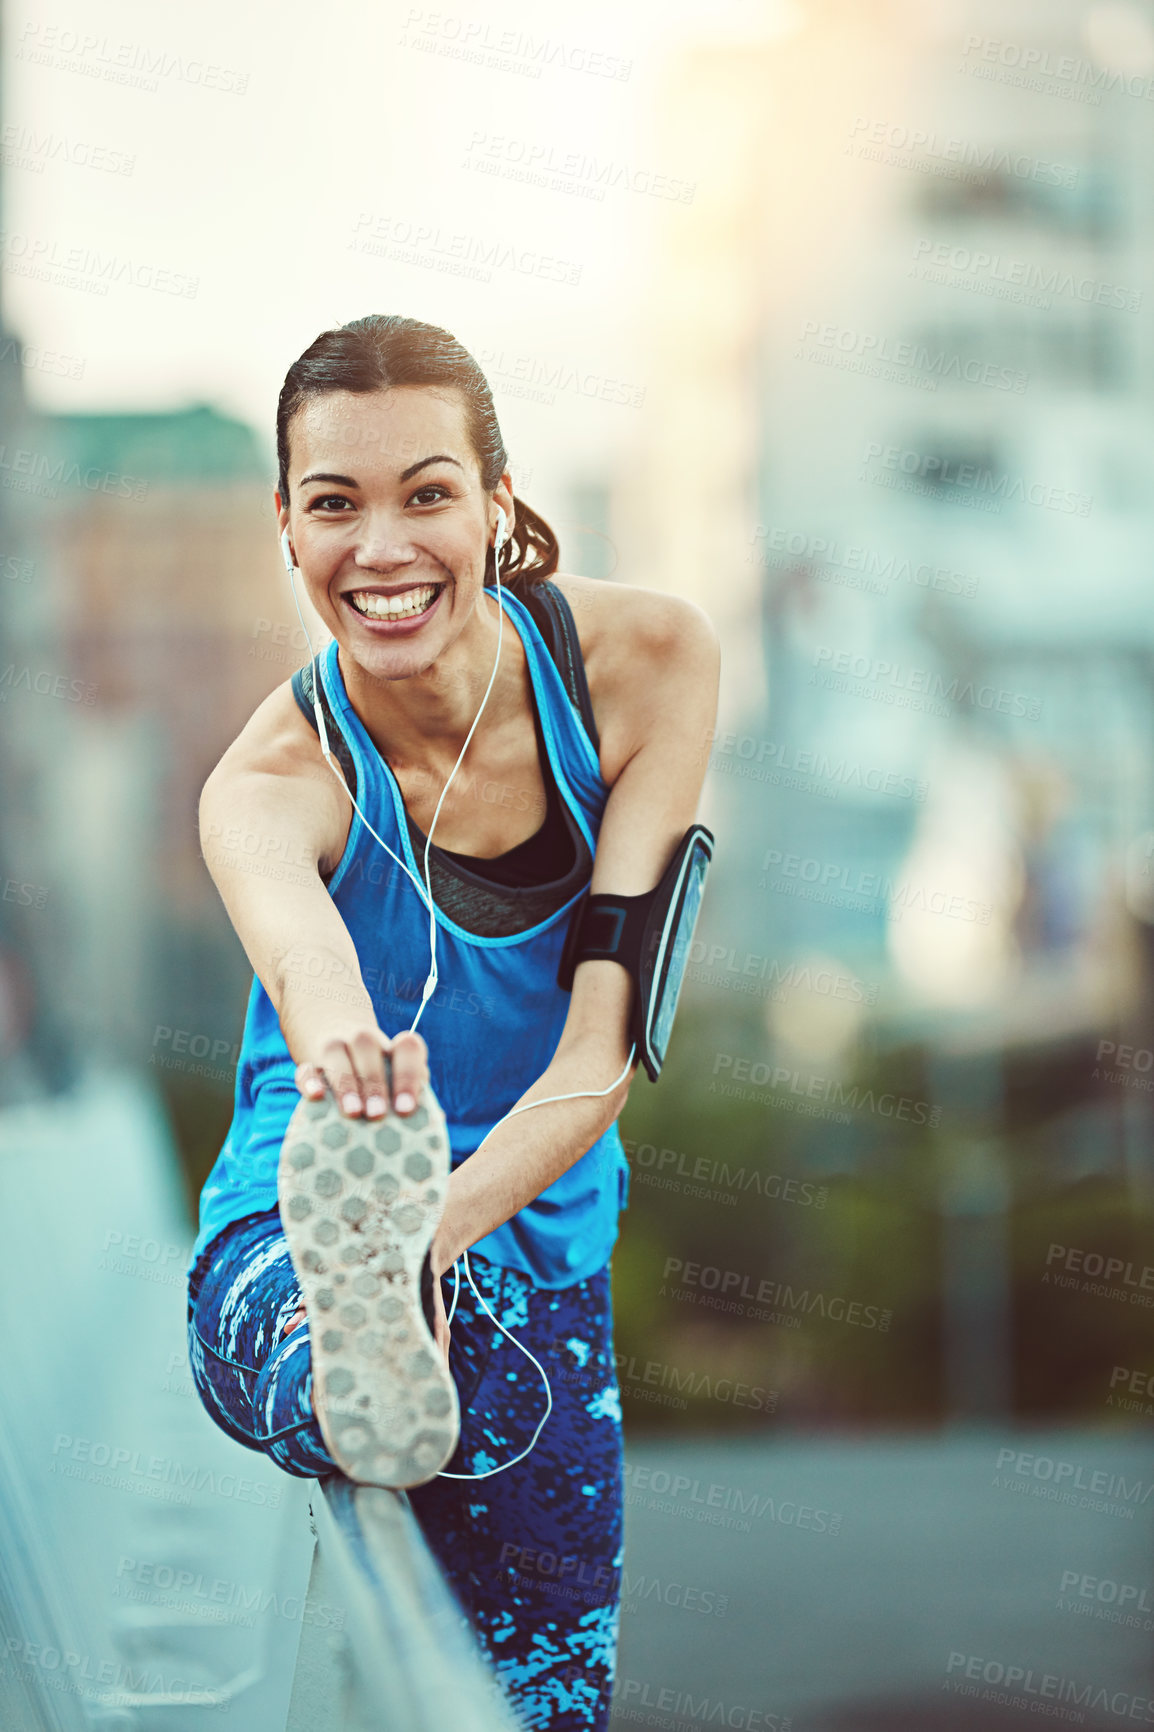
point(385, 350)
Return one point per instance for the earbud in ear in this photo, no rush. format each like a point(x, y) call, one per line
point(286, 552)
point(502, 530)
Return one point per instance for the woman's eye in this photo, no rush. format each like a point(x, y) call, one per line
point(328, 502)
point(433, 487)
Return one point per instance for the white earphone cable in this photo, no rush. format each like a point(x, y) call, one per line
point(487, 1473)
point(322, 729)
point(431, 983)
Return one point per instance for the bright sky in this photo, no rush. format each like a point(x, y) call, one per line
point(266, 145)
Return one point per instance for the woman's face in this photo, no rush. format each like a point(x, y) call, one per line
point(388, 522)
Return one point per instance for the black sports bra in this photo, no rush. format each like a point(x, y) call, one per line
point(507, 892)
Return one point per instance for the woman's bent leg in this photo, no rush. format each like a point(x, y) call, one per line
point(254, 1380)
point(535, 1552)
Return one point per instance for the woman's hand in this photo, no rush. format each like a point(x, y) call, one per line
point(351, 1061)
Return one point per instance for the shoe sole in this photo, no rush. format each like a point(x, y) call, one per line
point(359, 1203)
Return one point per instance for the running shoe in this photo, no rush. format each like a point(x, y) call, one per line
point(360, 1201)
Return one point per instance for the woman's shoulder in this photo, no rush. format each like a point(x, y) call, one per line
point(273, 782)
point(638, 645)
point(618, 621)
point(276, 740)
point(619, 624)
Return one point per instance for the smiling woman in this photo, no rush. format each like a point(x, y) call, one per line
point(362, 1163)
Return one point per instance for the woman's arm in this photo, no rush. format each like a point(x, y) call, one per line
point(653, 663)
point(273, 816)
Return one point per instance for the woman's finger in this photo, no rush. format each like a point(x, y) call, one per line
point(410, 1069)
point(369, 1065)
point(310, 1080)
point(339, 1068)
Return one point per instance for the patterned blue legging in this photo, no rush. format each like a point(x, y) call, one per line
point(534, 1554)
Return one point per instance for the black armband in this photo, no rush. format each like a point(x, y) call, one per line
point(649, 935)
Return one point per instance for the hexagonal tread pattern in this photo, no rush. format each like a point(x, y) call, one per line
point(359, 1205)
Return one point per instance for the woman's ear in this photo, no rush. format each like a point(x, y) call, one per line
point(504, 500)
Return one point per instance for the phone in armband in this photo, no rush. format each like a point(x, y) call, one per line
point(649, 935)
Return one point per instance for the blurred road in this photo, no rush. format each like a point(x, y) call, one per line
point(860, 1585)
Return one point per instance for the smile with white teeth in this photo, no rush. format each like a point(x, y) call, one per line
point(404, 606)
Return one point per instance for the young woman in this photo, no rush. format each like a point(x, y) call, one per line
point(584, 770)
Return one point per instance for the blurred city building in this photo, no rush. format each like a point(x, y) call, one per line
point(149, 618)
point(177, 618)
point(36, 1050)
point(899, 356)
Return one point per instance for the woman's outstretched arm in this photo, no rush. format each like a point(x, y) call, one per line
point(653, 663)
point(273, 816)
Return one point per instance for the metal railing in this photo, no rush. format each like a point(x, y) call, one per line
point(406, 1659)
point(122, 1611)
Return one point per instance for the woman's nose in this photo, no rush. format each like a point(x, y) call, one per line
point(384, 553)
point(384, 544)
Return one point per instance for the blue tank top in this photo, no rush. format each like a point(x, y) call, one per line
point(491, 1027)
